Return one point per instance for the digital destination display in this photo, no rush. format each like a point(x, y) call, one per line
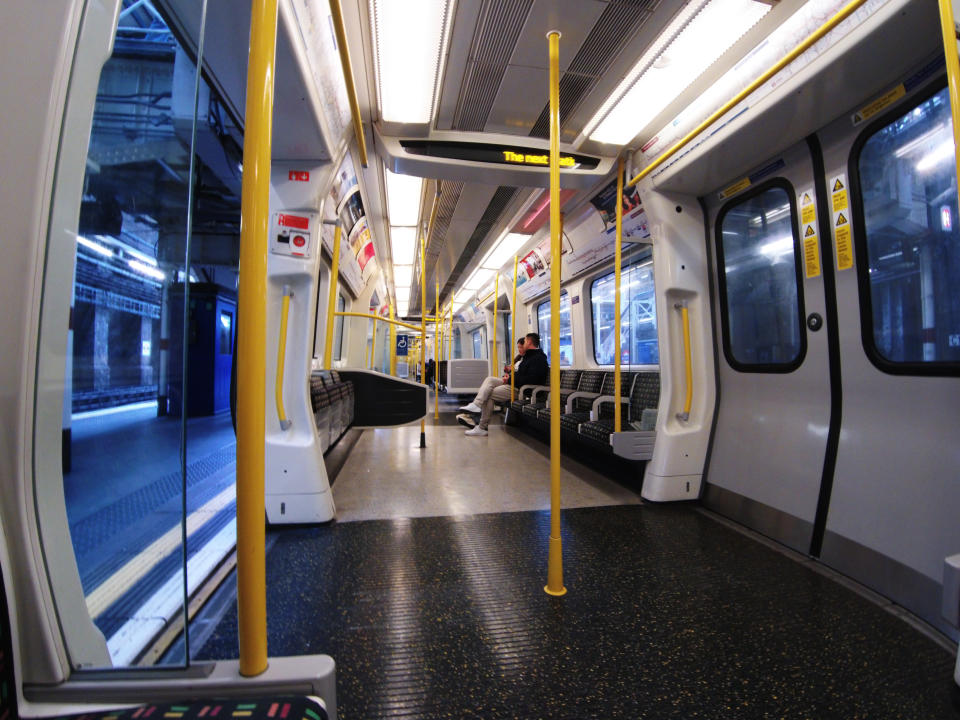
point(496, 154)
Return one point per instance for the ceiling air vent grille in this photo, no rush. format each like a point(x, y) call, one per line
point(498, 203)
point(619, 22)
point(498, 28)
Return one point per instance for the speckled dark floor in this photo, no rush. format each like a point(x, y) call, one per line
point(670, 614)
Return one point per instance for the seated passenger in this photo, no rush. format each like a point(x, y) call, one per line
point(487, 386)
point(532, 371)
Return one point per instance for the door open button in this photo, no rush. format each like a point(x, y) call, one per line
point(814, 321)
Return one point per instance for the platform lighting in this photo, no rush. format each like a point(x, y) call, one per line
point(944, 151)
point(409, 40)
point(778, 246)
point(145, 269)
point(403, 198)
point(935, 134)
point(702, 32)
point(96, 247)
point(403, 244)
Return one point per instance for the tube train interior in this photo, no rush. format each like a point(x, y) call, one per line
point(267, 450)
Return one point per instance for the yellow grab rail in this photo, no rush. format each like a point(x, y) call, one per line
point(436, 358)
point(373, 343)
point(252, 340)
point(555, 554)
point(617, 273)
point(337, 16)
point(953, 74)
point(332, 299)
point(285, 423)
point(375, 317)
point(513, 329)
point(393, 342)
point(423, 331)
point(496, 301)
point(844, 12)
point(688, 365)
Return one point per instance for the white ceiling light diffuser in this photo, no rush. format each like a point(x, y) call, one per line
point(504, 250)
point(463, 297)
point(403, 198)
point(410, 37)
point(702, 32)
point(401, 308)
point(403, 244)
point(403, 295)
point(479, 278)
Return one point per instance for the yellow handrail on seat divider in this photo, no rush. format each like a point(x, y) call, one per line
point(285, 423)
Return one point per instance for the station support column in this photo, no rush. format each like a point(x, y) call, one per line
point(252, 341)
point(555, 558)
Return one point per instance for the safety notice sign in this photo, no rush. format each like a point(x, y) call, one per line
point(842, 237)
point(808, 232)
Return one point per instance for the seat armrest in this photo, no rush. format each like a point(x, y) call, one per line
point(595, 410)
point(523, 388)
point(538, 390)
point(579, 394)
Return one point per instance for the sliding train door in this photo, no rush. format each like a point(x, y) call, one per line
point(770, 441)
point(895, 498)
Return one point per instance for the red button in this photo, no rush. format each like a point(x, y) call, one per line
point(299, 241)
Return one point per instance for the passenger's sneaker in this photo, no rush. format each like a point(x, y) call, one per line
point(466, 421)
point(476, 432)
point(472, 407)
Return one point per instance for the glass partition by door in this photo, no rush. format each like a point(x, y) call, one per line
point(148, 469)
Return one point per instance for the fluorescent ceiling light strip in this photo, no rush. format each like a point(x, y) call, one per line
point(403, 198)
point(942, 152)
point(505, 250)
point(479, 278)
point(403, 244)
point(409, 40)
point(708, 31)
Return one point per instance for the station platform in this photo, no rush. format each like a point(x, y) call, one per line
point(428, 593)
point(124, 506)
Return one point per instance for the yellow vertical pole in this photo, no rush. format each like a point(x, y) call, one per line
point(252, 341)
point(423, 333)
point(617, 270)
point(332, 299)
point(555, 558)
point(373, 345)
point(513, 330)
point(450, 350)
point(496, 302)
point(436, 354)
point(393, 344)
point(953, 74)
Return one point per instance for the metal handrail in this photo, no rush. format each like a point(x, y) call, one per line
point(688, 361)
point(377, 317)
point(332, 298)
point(513, 330)
point(842, 15)
point(285, 423)
point(617, 274)
point(336, 14)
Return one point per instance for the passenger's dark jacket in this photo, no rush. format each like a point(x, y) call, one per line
point(533, 370)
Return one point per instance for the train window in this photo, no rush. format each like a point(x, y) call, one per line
point(566, 333)
point(638, 317)
point(477, 336)
point(908, 239)
point(760, 281)
point(338, 328)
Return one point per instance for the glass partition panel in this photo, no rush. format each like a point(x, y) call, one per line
point(151, 445)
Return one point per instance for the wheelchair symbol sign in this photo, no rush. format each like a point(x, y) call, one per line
point(401, 344)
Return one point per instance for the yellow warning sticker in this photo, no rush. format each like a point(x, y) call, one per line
point(842, 235)
point(839, 200)
point(735, 188)
point(811, 255)
point(844, 248)
point(881, 103)
point(808, 214)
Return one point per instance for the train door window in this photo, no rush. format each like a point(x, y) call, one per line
point(638, 317)
point(477, 343)
point(908, 239)
point(566, 332)
point(338, 328)
point(760, 296)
